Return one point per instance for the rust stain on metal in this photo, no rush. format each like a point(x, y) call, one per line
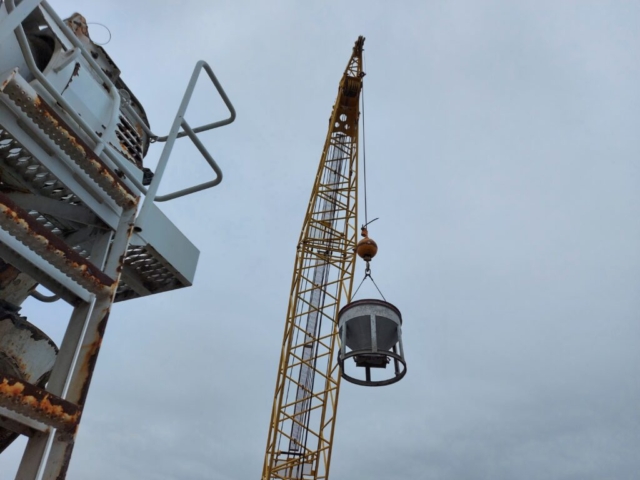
point(78, 25)
point(92, 356)
point(85, 151)
point(125, 151)
point(76, 72)
point(121, 262)
point(68, 141)
point(38, 403)
point(9, 78)
point(83, 155)
point(53, 243)
point(66, 458)
point(123, 257)
point(8, 274)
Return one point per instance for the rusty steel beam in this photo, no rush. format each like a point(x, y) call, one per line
point(80, 380)
point(25, 228)
point(38, 404)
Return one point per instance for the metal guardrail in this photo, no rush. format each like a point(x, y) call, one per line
point(179, 121)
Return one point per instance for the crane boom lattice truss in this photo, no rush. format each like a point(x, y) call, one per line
point(306, 394)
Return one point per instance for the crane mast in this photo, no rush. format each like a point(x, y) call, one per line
point(306, 394)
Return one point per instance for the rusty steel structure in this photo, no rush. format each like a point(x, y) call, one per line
point(79, 216)
point(308, 382)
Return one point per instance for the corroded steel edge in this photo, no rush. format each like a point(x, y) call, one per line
point(23, 95)
point(38, 404)
point(25, 228)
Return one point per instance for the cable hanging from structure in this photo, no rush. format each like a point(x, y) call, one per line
point(366, 248)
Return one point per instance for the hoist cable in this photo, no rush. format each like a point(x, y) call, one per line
point(364, 159)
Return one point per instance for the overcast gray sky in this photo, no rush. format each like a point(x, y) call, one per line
point(503, 161)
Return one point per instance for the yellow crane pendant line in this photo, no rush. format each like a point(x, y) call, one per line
point(306, 394)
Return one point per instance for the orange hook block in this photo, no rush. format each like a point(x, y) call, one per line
point(366, 248)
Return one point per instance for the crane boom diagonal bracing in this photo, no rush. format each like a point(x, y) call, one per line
point(306, 394)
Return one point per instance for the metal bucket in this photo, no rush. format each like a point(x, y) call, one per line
point(371, 333)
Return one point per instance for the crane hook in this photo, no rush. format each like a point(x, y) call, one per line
point(366, 248)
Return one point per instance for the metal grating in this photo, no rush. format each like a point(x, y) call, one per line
point(22, 170)
point(14, 155)
point(52, 125)
point(130, 140)
point(26, 229)
point(17, 160)
point(149, 271)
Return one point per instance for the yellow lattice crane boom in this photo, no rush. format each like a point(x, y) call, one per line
point(306, 394)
